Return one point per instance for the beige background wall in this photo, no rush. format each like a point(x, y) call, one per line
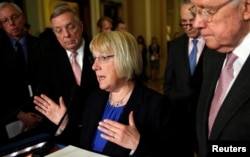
point(147, 18)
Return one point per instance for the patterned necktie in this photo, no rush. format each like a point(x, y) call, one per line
point(225, 78)
point(76, 68)
point(192, 56)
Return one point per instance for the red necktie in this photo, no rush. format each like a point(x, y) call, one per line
point(225, 78)
point(76, 68)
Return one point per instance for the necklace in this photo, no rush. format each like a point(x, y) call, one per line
point(119, 102)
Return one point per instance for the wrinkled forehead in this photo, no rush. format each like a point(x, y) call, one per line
point(211, 3)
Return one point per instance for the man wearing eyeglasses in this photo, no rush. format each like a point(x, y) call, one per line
point(21, 56)
point(223, 125)
point(182, 81)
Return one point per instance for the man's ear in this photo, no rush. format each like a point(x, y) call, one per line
point(246, 13)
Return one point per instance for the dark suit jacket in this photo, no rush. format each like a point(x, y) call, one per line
point(232, 122)
point(183, 90)
point(150, 114)
point(57, 79)
point(14, 88)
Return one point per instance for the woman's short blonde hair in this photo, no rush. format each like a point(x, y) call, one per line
point(124, 47)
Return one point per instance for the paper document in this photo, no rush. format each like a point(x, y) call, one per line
point(72, 151)
point(14, 128)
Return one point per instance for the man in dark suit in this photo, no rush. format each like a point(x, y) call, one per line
point(19, 72)
point(57, 76)
point(180, 85)
point(225, 29)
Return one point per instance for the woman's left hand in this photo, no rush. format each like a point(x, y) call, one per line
point(126, 136)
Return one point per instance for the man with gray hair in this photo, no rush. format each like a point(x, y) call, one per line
point(21, 56)
point(223, 111)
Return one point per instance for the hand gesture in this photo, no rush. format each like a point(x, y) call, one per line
point(126, 136)
point(54, 112)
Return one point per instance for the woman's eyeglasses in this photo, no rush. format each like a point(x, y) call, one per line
point(101, 59)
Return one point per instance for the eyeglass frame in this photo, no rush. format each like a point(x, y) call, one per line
point(186, 24)
point(207, 13)
point(101, 59)
point(13, 18)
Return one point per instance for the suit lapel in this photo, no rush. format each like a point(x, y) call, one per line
point(86, 69)
point(184, 56)
point(233, 103)
point(180, 58)
point(9, 53)
point(95, 107)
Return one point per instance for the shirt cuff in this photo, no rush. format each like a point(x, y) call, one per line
point(131, 152)
point(58, 132)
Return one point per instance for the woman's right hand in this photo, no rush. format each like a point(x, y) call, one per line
point(54, 112)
